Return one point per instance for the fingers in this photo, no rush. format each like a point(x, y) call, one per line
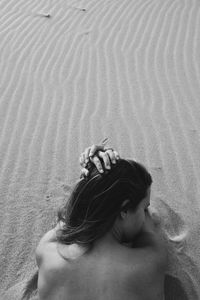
point(93, 153)
point(94, 149)
point(116, 154)
point(113, 155)
point(106, 159)
point(109, 157)
point(87, 152)
point(82, 160)
point(97, 163)
point(84, 172)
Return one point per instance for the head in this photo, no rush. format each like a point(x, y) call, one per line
point(99, 203)
point(130, 221)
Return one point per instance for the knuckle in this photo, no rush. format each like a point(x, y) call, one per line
point(95, 159)
point(101, 154)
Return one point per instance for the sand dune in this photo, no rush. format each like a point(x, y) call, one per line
point(126, 70)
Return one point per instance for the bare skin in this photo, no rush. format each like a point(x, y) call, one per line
point(115, 268)
point(111, 270)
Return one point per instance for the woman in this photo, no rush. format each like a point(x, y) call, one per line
point(105, 245)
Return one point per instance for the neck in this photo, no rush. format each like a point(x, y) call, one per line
point(111, 238)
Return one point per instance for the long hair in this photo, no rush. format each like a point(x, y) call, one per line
point(96, 201)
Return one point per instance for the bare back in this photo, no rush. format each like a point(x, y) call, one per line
point(112, 273)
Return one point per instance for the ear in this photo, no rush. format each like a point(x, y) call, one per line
point(124, 210)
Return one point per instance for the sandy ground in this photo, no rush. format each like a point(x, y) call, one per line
point(127, 70)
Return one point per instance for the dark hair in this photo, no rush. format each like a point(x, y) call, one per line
point(96, 201)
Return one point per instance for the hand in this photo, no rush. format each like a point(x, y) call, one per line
point(93, 154)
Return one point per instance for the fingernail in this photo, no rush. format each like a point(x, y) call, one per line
point(101, 170)
point(108, 167)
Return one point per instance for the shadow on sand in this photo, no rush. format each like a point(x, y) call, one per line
point(174, 289)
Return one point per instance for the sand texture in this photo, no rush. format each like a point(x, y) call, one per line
point(127, 70)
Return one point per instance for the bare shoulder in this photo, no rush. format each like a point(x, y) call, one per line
point(151, 246)
point(45, 244)
point(48, 237)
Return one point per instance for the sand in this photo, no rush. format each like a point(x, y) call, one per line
point(127, 70)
